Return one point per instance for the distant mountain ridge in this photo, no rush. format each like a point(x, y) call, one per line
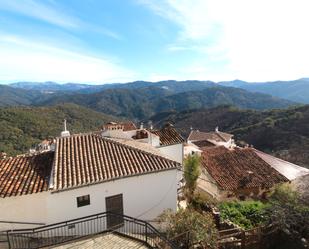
point(295, 90)
point(140, 99)
point(141, 103)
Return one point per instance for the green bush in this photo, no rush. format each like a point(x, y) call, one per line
point(246, 214)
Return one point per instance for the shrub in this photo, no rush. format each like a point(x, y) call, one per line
point(246, 214)
point(190, 229)
point(290, 215)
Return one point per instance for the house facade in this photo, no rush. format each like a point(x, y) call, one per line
point(86, 174)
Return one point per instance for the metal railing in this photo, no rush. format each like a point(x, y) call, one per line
point(70, 230)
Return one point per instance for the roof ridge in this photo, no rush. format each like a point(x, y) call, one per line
point(134, 148)
point(124, 145)
point(277, 158)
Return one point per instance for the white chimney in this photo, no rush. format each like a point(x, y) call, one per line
point(65, 132)
point(217, 129)
point(150, 125)
point(142, 126)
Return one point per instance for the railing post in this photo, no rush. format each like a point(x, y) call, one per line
point(7, 236)
point(146, 232)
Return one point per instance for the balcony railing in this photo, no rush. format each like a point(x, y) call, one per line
point(70, 230)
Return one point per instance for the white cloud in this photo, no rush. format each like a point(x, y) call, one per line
point(255, 40)
point(28, 60)
point(52, 14)
point(41, 11)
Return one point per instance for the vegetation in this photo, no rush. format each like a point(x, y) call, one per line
point(190, 229)
point(191, 174)
point(21, 128)
point(296, 90)
point(290, 214)
point(283, 133)
point(246, 214)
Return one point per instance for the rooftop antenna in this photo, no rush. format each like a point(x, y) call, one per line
point(65, 132)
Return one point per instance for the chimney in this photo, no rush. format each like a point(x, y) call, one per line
point(150, 125)
point(142, 126)
point(2, 155)
point(217, 129)
point(65, 132)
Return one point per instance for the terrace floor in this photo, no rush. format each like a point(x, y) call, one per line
point(111, 241)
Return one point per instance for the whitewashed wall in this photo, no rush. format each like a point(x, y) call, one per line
point(25, 208)
point(173, 152)
point(144, 197)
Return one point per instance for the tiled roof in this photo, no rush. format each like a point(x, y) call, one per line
point(239, 168)
point(217, 136)
point(289, 170)
point(25, 174)
point(87, 158)
point(127, 126)
point(203, 143)
point(168, 135)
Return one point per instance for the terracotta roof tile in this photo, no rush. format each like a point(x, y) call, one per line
point(203, 143)
point(239, 168)
point(217, 136)
point(168, 135)
point(25, 174)
point(88, 158)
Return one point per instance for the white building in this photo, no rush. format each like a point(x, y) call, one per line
point(86, 174)
point(167, 140)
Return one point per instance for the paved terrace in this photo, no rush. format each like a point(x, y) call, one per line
point(111, 241)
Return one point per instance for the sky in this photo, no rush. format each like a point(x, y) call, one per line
point(109, 41)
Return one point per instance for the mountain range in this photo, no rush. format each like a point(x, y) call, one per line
point(140, 99)
point(295, 90)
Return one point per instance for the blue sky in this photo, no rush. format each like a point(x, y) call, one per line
point(105, 41)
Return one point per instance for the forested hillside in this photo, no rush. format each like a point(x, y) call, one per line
point(284, 133)
point(295, 90)
point(23, 127)
point(142, 103)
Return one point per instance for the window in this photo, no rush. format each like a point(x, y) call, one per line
point(83, 200)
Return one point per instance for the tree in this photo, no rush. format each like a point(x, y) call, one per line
point(290, 215)
point(191, 174)
point(190, 229)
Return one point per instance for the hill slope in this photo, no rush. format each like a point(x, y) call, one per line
point(284, 133)
point(141, 103)
point(24, 127)
point(297, 90)
point(10, 96)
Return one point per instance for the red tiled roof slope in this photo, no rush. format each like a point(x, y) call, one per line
point(25, 174)
point(217, 136)
point(87, 158)
point(239, 168)
point(168, 135)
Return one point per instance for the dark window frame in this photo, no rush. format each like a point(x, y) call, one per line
point(83, 200)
